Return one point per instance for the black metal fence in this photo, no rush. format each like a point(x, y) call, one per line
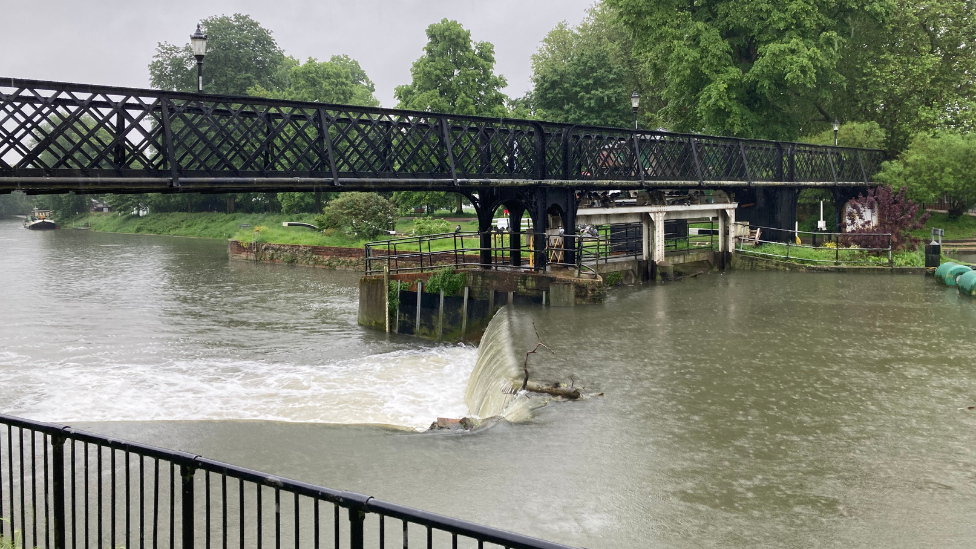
point(58, 136)
point(818, 247)
point(463, 250)
point(65, 488)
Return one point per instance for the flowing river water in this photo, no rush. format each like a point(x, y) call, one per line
point(739, 410)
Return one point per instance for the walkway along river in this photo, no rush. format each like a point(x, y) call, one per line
point(745, 409)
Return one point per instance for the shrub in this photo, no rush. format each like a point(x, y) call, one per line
point(426, 225)
point(612, 278)
point(445, 279)
point(896, 214)
point(362, 215)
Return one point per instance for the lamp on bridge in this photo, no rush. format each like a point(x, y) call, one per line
point(635, 102)
point(836, 127)
point(198, 42)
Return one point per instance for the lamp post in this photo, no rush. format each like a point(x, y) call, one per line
point(635, 102)
point(198, 42)
point(836, 127)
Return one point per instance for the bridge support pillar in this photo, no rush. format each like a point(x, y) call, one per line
point(773, 207)
point(515, 212)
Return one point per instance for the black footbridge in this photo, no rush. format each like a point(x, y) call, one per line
point(58, 137)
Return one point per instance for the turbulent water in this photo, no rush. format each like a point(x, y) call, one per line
point(740, 410)
point(116, 328)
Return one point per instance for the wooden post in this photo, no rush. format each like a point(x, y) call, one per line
point(464, 312)
point(420, 290)
point(397, 325)
point(491, 303)
point(440, 316)
point(386, 294)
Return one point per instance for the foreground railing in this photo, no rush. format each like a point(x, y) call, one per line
point(62, 487)
point(821, 247)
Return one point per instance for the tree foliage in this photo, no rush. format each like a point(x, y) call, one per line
point(15, 203)
point(913, 70)
point(454, 75)
point(241, 54)
point(339, 80)
point(362, 215)
point(942, 163)
point(865, 135)
point(432, 201)
point(896, 214)
point(751, 68)
point(586, 74)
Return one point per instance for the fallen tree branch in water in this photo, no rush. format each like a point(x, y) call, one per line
point(525, 364)
point(554, 389)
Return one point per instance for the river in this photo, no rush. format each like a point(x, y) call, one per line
point(739, 410)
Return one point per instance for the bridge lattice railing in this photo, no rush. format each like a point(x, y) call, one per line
point(51, 129)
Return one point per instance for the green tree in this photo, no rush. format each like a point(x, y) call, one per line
point(406, 201)
point(362, 215)
point(937, 165)
point(454, 75)
point(586, 74)
point(340, 80)
point(240, 54)
point(751, 68)
point(15, 203)
point(912, 71)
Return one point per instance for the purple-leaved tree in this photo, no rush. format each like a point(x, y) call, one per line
point(895, 214)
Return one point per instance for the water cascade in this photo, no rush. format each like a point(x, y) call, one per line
point(489, 392)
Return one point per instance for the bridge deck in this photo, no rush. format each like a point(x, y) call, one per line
point(57, 137)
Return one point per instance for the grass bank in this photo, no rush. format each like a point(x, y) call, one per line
point(852, 256)
point(957, 228)
point(229, 226)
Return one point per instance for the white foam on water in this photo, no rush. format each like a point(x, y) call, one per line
point(403, 388)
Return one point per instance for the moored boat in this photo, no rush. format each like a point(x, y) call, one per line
point(40, 220)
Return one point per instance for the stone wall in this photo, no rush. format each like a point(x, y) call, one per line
point(314, 256)
point(746, 262)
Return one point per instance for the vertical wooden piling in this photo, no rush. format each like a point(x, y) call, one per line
point(440, 316)
point(396, 328)
point(464, 312)
point(420, 291)
point(386, 294)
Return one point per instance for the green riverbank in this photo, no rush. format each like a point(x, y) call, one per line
point(240, 227)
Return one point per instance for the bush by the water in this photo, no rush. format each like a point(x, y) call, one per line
point(426, 226)
point(363, 215)
point(445, 279)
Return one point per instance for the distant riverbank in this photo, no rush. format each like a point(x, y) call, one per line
point(262, 228)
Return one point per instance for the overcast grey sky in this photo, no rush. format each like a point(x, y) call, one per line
point(112, 42)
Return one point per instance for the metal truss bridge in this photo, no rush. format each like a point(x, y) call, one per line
point(58, 137)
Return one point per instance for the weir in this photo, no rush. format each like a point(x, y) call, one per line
point(489, 392)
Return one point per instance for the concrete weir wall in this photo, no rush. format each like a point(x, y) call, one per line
point(464, 317)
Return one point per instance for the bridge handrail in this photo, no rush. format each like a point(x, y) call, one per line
point(54, 513)
point(55, 85)
point(57, 136)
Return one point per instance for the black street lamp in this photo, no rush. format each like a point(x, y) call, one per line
point(635, 102)
point(836, 127)
point(198, 42)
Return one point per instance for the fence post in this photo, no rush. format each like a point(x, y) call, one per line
point(356, 528)
point(57, 446)
point(891, 260)
point(788, 247)
point(187, 504)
